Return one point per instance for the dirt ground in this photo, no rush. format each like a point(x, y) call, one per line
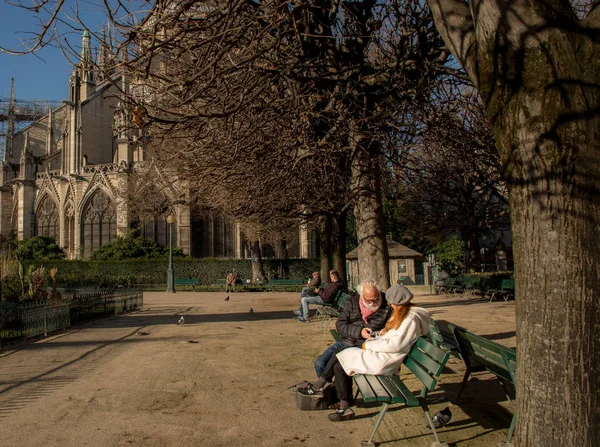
point(222, 379)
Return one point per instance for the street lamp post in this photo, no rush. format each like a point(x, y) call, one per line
point(170, 276)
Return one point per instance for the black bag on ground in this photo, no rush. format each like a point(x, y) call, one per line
point(316, 401)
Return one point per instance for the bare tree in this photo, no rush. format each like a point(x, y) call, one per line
point(344, 69)
point(448, 177)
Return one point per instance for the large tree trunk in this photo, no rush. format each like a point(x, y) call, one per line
point(339, 246)
point(325, 248)
point(541, 88)
point(554, 214)
point(258, 271)
point(368, 210)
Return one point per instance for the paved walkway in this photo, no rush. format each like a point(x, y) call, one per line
point(219, 380)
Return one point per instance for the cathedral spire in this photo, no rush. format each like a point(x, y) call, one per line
point(86, 67)
point(104, 63)
point(10, 134)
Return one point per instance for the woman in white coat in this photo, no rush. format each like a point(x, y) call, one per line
point(381, 355)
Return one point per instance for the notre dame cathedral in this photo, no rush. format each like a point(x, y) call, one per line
point(75, 173)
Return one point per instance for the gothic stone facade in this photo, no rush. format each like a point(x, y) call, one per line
point(74, 173)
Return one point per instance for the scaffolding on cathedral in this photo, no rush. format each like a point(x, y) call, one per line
point(16, 114)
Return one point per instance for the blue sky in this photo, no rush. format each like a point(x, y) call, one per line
point(44, 76)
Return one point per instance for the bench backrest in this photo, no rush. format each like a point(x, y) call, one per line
point(510, 360)
point(426, 362)
point(286, 282)
point(434, 334)
point(481, 351)
point(508, 284)
point(442, 340)
point(450, 281)
point(340, 299)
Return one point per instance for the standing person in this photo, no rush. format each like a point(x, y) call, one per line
point(313, 283)
point(324, 296)
point(382, 355)
point(360, 316)
point(230, 281)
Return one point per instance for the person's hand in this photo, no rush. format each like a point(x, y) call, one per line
point(366, 333)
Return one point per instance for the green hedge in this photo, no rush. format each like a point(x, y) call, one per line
point(154, 271)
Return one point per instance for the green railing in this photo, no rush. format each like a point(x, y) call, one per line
point(40, 318)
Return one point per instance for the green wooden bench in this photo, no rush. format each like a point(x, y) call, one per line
point(186, 282)
point(472, 284)
point(426, 362)
point(506, 290)
point(283, 282)
point(223, 281)
point(480, 354)
point(442, 339)
point(448, 285)
point(330, 312)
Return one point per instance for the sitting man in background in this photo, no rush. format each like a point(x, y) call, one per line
point(313, 283)
point(230, 282)
point(324, 296)
point(361, 316)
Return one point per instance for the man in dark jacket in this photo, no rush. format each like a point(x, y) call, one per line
point(324, 296)
point(361, 316)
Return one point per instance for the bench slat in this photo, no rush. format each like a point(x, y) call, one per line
point(394, 389)
point(365, 388)
point(430, 365)
point(421, 373)
point(409, 396)
point(432, 351)
point(378, 388)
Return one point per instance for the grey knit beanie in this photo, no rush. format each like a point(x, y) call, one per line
point(398, 295)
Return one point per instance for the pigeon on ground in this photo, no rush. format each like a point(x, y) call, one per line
point(227, 298)
point(181, 321)
point(251, 311)
point(441, 418)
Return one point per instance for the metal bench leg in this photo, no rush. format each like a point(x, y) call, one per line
point(512, 428)
point(370, 442)
point(463, 384)
point(510, 433)
point(437, 442)
point(505, 389)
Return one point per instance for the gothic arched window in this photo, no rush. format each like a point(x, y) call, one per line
point(99, 221)
point(156, 229)
point(46, 218)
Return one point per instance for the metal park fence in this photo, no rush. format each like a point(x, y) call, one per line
point(30, 319)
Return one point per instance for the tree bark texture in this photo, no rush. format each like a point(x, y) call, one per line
point(373, 258)
point(325, 248)
point(339, 246)
point(538, 72)
point(258, 271)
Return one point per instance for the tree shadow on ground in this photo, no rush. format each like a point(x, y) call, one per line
point(480, 403)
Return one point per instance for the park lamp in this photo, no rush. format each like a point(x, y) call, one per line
point(170, 274)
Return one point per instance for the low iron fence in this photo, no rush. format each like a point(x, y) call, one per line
point(29, 319)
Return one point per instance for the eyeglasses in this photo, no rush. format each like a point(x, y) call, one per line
point(373, 301)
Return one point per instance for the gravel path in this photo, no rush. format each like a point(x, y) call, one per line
point(219, 380)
